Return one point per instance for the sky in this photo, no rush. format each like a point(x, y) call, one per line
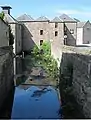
point(80, 9)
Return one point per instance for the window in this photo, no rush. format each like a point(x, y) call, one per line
point(65, 41)
point(41, 32)
point(6, 33)
point(56, 25)
point(88, 28)
point(71, 31)
point(19, 43)
point(41, 42)
point(87, 42)
point(65, 29)
point(56, 33)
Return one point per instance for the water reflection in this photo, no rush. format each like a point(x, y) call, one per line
point(35, 102)
point(18, 65)
point(6, 110)
point(31, 102)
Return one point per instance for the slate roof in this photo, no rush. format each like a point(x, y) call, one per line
point(66, 18)
point(25, 17)
point(76, 19)
point(81, 24)
point(8, 18)
point(56, 19)
point(42, 18)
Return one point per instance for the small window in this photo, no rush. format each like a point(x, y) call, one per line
point(56, 33)
point(88, 42)
point(41, 32)
point(41, 42)
point(56, 25)
point(65, 41)
point(71, 31)
point(19, 43)
point(65, 29)
point(6, 33)
point(88, 28)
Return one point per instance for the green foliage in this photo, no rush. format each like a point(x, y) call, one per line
point(2, 15)
point(11, 37)
point(46, 47)
point(42, 56)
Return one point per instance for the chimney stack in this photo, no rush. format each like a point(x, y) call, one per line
point(6, 9)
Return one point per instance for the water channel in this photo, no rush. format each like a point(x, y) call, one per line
point(35, 103)
point(32, 98)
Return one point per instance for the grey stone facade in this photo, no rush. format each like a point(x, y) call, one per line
point(4, 34)
point(79, 61)
point(31, 33)
point(83, 33)
point(16, 29)
point(6, 72)
point(53, 31)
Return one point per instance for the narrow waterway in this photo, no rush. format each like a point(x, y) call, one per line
point(31, 102)
point(34, 96)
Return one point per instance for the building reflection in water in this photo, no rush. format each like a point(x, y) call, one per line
point(6, 110)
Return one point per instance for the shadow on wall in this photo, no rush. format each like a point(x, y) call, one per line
point(70, 40)
point(6, 110)
point(19, 65)
point(70, 107)
point(28, 42)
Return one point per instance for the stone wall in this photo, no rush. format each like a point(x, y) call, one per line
point(31, 33)
point(17, 33)
point(76, 68)
point(4, 34)
point(6, 72)
point(71, 37)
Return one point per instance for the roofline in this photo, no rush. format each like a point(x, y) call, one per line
point(56, 22)
point(47, 21)
point(79, 27)
point(13, 23)
point(70, 21)
point(33, 21)
point(85, 24)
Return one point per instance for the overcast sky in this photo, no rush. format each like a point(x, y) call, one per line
point(80, 9)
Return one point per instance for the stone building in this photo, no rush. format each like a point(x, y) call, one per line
point(16, 29)
point(42, 29)
point(4, 33)
point(70, 30)
point(83, 33)
point(34, 31)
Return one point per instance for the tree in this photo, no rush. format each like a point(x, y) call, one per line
point(42, 56)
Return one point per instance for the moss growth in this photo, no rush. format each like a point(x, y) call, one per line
point(2, 15)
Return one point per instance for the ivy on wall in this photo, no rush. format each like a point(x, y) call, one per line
point(2, 15)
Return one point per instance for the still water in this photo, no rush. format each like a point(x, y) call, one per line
point(34, 102)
